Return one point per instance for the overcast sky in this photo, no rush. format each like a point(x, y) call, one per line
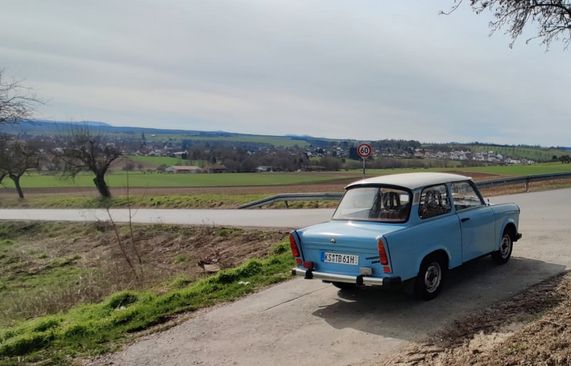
point(333, 68)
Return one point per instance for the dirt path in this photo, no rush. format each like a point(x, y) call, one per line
point(532, 328)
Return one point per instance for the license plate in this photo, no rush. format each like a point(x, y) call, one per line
point(340, 258)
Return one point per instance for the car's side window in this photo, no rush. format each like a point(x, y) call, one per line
point(434, 201)
point(464, 196)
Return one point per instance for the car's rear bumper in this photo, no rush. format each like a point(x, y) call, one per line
point(358, 280)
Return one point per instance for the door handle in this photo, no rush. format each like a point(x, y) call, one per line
point(464, 219)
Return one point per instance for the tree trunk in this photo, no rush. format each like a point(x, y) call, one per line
point(101, 185)
point(16, 179)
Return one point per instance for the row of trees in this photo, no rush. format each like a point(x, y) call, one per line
point(82, 151)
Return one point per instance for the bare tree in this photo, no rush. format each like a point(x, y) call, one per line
point(16, 158)
point(3, 147)
point(16, 101)
point(552, 17)
point(87, 151)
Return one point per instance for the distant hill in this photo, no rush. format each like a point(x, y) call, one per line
point(186, 138)
point(44, 127)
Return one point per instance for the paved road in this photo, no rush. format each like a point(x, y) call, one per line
point(288, 218)
point(310, 323)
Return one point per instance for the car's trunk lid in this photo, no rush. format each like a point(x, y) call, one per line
point(332, 246)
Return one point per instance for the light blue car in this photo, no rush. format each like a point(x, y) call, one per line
point(395, 228)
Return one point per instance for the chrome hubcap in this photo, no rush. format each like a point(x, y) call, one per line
point(505, 246)
point(432, 277)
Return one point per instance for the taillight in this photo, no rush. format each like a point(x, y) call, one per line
point(382, 253)
point(293, 245)
point(308, 265)
point(383, 258)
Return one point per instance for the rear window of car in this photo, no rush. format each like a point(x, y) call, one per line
point(384, 204)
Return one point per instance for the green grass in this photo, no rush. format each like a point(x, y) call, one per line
point(519, 170)
point(29, 271)
point(139, 179)
point(155, 201)
point(142, 180)
point(508, 170)
point(162, 201)
point(93, 329)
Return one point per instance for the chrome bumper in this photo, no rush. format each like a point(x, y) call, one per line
point(358, 280)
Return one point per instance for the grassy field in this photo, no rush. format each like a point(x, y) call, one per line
point(506, 170)
point(147, 180)
point(210, 201)
point(219, 200)
point(518, 170)
point(147, 201)
point(66, 291)
point(138, 179)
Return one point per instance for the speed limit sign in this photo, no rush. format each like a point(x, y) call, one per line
point(364, 150)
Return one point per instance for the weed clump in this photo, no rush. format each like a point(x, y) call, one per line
point(47, 324)
point(281, 248)
point(122, 299)
point(26, 343)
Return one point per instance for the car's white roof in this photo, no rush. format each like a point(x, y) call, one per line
point(411, 180)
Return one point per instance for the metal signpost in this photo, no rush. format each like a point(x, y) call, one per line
point(364, 151)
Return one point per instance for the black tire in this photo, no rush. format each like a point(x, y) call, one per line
point(345, 286)
point(430, 277)
point(504, 253)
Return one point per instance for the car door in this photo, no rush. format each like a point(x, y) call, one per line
point(476, 220)
point(438, 226)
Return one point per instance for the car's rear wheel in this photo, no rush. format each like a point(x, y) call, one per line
point(430, 277)
point(503, 254)
point(344, 285)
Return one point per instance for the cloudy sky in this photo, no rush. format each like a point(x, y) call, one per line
point(363, 69)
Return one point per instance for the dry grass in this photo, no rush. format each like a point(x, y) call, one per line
point(47, 268)
point(531, 328)
point(522, 188)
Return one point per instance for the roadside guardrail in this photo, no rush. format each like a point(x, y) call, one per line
point(330, 196)
point(318, 196)
point(521, 180)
